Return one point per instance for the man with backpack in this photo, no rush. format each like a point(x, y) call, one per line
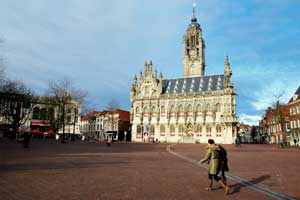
point(223, 163)
point(213, 158)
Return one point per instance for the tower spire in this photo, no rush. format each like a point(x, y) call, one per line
point(194, 19)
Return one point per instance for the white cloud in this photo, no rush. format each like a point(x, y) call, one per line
point(271, 92)
point(249, 119)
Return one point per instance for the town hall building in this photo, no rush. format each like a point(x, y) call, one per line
point(185, 110)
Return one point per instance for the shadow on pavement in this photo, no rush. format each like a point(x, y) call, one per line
point(235, 188)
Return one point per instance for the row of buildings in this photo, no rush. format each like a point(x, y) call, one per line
point(42, 119)
point(100, 124)
point(281, 124)
point(41, 116)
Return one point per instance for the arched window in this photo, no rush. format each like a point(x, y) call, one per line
point(189, 110)
point(180, 111)
point(146, 111)
point(218, 107)
point(181, 130)
point(51, 114)
point(137, 112)
point(138, 131)
point(36, 113)
point(151, 130)
point(172, 130)
point(218, 128)
point(162, 130)
point(163, 111)
point(207, 107)
point(69, 119)
point(199, 108)
point(172, 110)
point(153, 111)
point(192, 40)
point(208, 131)
point(199, 130)
point(44, 114)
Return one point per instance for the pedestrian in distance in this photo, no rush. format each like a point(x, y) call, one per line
point(295, 141)
point(109, 140)
point(1, 136)
point(237, 142)
point(212, 157)
point(26, 139)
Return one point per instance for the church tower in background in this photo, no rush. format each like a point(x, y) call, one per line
point(193, 49)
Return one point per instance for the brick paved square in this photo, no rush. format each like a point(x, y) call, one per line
point(92, 171)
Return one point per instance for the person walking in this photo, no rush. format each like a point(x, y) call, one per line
point(223, 163)
point(1, 136)
point(26, 139)
point(109, 139)
point(212, 157)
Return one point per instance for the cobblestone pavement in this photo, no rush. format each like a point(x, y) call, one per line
point(93, 171)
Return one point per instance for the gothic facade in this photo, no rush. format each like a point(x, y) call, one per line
point(189, 109)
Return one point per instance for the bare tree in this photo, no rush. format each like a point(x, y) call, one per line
point(113, 105)
point(61, 94)
point(87, 106)
point(16, 103)
point(277, 97)
point(279, 115)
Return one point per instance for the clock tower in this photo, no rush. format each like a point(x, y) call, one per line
point(193, 49)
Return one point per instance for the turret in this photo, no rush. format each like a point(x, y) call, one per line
point(141, 77)
point(134, 80)
point(145, 68)
point(150, 67)
point(160, 78)
point(227, 74)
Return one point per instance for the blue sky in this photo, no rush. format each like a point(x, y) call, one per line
point(101, 44)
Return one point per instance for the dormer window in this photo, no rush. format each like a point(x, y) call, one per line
point(295, 97)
